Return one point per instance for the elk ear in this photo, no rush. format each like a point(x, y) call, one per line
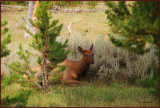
point(80, 49)
point(91, 48)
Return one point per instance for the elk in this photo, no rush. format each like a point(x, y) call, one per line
point(74, 69)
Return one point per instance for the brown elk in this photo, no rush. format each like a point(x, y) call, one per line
point(74, 69)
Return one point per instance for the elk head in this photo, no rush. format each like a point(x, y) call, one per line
point(88, 54)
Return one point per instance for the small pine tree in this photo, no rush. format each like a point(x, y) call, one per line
point(17, 70)
point(45, 40)
point(24, 55)
point(4, 39)
point(137, 24)
point(22, 67)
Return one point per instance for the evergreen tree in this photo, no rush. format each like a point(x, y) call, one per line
point(22, 67)
point(17, 70)
point(4, 39)
point(137, 24)
point(45, 40)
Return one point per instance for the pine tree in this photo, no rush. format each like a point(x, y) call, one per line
point(23, 66)
point(17, 70)
point(136, 25)
point(4, 39)
point(45, 40)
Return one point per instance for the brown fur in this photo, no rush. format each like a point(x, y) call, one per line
point(75, 69)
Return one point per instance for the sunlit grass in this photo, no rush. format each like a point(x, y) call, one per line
point(91, 95)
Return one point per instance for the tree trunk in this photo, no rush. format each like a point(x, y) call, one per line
point(44, 74)
point(29, 16)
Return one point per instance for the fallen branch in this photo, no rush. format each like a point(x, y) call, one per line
point(9, 6)
point(80, 10)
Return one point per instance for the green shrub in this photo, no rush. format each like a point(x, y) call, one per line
point(5, 40)
point(16, 67)
point(20, 100)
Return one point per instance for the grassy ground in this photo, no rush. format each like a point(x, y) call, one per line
point(88, 94)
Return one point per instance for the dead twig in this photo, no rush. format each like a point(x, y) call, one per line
point(69, 28)
point(38, 85)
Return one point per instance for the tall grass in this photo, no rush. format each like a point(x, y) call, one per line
point(92, 95)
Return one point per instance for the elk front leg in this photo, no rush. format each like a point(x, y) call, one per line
point(69, 77)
